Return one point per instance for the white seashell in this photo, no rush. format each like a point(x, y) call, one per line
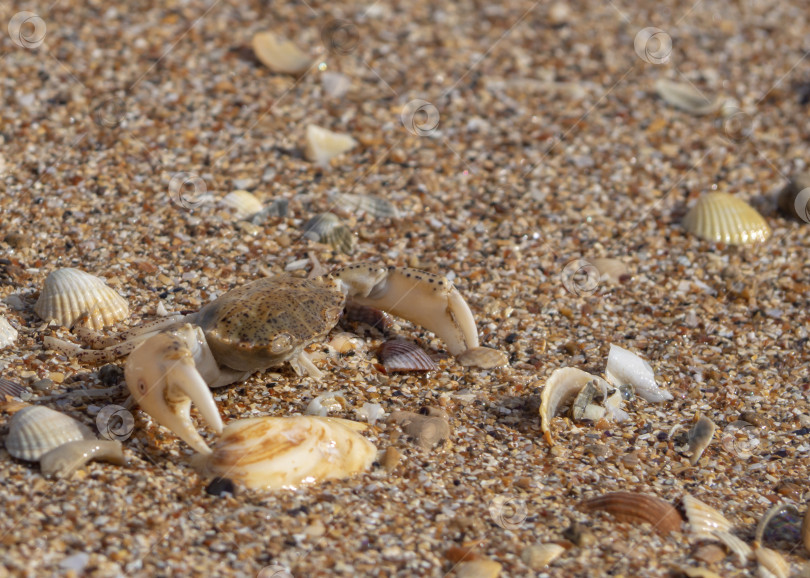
point(686, 97)
point(69, 293)
point(626, 368)
point(279, 54)
point(327, 228)
point(36, 430)
point(285, 452)
point(613, 407)
point(483, 358)
point(564, 384)
point(735, 545)
point(8, 335)
point(372, 412)
point(335, 84)
point(723, 218)
point(398, 355)
point(62, 461)
point(377, 207)
point(612, 270)
point(772, 562)
point(324, 403)
point(700, 436)
point(323, 145)
point(346, 343)
point(538, 556)
point(703, 519)
point(243, 203)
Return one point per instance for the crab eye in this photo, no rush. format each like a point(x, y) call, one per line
point(281, 343)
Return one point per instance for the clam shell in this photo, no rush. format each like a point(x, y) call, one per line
point(686, 97)
point(36, 430)
point(69, 293)
point(377, 207)
point(62, 461)
point(538, 556)
point(285, 452)
point(724, 218)
point(483, 358)
point(426, 430)
point(564, 384)
point(773, 562)
point(399, 355)
point(703, 519)
point(327, 228)
point(12, 389)
point(279, 54)
point(243, 204)
point(735, 545)
point(323, 145)
point(8, 335)
point(355, 313)
point(794, 198)
point(636, 507)
point(626, 368)
point(700, 436)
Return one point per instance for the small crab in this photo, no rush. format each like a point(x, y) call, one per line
point(268, 322)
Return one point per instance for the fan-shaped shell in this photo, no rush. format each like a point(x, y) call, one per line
point(12, 389)
point(375, 206)
point(8, 334)
point(243, 203)
point(723, 218)
point(69, 293)
point(703, 519)
point(399, 355)
point(36, 430)
point(284, 452)
point(329, 229)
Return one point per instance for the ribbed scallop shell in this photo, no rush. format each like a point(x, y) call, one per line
point(398, 355)
point(8, 334)
point(69, 293)
point(285, 452)
point(243, 203)
point(36, 430)
point(635, 507)
point(374, 206)
point(11, 388)
point(724, 218)
point(703, 519)
point(329, 229)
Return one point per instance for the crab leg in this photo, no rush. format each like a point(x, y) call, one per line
point(424, 298)
point(163, 378)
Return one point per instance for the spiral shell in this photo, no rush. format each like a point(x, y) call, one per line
point(69, 294)
point(285, 452)
point(323, 145)
point(8, 335)
point(243, 204)
point(399, 355)
point(36, 430)
point(279, 54)
point(329, 229)
point(724, 218)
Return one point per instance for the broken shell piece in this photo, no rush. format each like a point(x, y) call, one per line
point(794, 198)
point(626, 368)
point(723, 218)
point(279, 54)
point(67, 458)
point(593, 412)
point(772, 513)
point(243, 204)
point(335, 84)
point(323, 145)
point(327, 228)
point(426, 430)
point(377, 207)
point(538, 556)
point(613, 406)
point(612, 270)
point(583, 400)
point(700, 436)
point(735, 545)
point(481, 568)
point(399, 355)
point(36, 430)
point(371, 412)
point(703, 519)
point(686, 97)
point(13, 389)
point(564, 384)
point(8, 335)
point(323, 404)
point(69, 294)
point(483, 358)
point(635, 507)
point(773, 562)
point(285, 452)
point(344, 343)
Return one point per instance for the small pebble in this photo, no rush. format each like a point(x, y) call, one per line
point(219, 486)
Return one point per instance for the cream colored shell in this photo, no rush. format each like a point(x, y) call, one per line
point(8, 334)
point(244, 204)
point(36, 430)
point(322, 145)
point(723, 218)
point(70, 293)
point(285, 452)
point(279, 54)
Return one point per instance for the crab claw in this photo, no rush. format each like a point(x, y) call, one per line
point(162, 376)
point(424, 298)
